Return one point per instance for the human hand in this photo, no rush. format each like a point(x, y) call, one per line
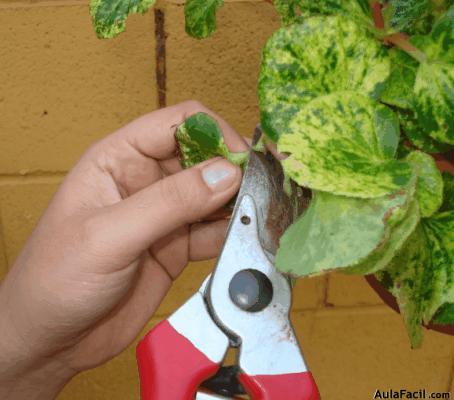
point(124, 223)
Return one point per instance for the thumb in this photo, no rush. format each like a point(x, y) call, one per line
point(132, 225)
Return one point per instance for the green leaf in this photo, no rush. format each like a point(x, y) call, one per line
point(434, 90)
point(439, 230)
point(201, 17)
point(422, 274)
point(413, 131)
point(401, 227)
point(448, 193)
point(338, 232)
point(293, 11)
point(200, 138)
point(438, 44)
point(344, 143)
point(426, 89)
point(444, 315)
point(424, 25)
point(429, 188)
point(401, 15)
point(408, 272)
point(109, 16)
point(398, 89)
point(434, 82)
point(289, 11)
point(320, 56)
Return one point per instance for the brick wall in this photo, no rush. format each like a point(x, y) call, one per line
point(61, 89)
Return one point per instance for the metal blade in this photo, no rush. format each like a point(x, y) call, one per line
point(263, 180)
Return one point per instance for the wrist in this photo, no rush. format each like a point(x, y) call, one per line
point(43, 382)
point(26, 372)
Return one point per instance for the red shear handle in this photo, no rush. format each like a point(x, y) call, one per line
point(170, 366)
point(298, 386)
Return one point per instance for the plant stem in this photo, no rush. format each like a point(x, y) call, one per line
point(401, 40)
point(376, 7)
point(398, 39)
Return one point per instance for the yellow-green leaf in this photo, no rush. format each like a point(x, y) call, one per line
point(439, 230)
point(398, 89)
point(415, 133)
point(421, 276)
point(337, 232)
point(429, 187)
point(448, 192)
point(400, 229)
point(293, 11)
point(344, 143)
point(434, 90)
point(401, 15)
point(200, 16)
point(109, 16)
point(315, 58)
point(200, 138)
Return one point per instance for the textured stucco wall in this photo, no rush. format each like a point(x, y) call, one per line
point(61, 89)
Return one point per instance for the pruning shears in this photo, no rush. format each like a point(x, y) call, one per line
point(243, 303)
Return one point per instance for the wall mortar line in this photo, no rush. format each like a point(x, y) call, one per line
point(450, 387)
point(161, 73)
point(325, 301)
point(39, 178)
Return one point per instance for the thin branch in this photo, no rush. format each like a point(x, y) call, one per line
point(376, 8)
point(401, 41)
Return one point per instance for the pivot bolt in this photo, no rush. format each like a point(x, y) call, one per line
point(251, 290)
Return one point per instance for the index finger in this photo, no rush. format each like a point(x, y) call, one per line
point(153, 134)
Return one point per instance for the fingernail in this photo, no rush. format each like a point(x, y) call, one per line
point(219, 175)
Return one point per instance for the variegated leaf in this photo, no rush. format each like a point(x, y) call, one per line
point(438, 45)
point(429, 187)
point(397, 235)
point(439, 230)
point(434, 83)
point(293, 11)
point(402, 15)
point(448, 192)
point(200, 16)
point(337, 232)
point(421, 276)
point(405, 277)
point(434, 90)
point(444, 315)
point(200, 138)
point(109, 16)
point(318, 57)
point(398, 89)
point(344, 143)
point(414, 132)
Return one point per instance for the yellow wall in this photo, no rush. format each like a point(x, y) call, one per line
point(61, 89)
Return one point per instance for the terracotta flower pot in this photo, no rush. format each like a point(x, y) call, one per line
point(444, 163)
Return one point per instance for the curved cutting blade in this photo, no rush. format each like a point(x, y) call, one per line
point(263, 180)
